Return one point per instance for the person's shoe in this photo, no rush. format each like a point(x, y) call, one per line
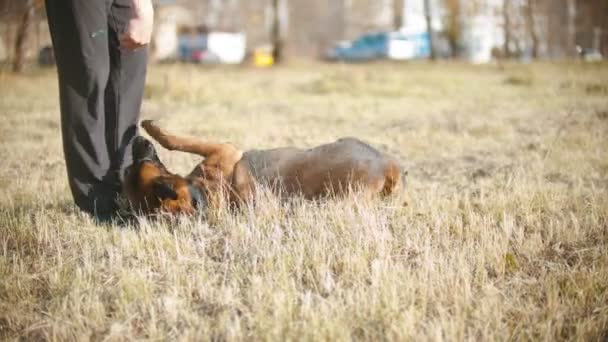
point(119, 214)
point(104, 218)
point(117, 218)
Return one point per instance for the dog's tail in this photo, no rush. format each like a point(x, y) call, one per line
point(392, 179)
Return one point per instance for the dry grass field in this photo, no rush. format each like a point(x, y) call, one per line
point(502, 233)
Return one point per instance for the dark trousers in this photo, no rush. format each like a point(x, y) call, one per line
point(100, 88)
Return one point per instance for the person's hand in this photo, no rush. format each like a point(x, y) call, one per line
point(139, 29)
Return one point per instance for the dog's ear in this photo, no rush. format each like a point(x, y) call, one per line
point(164, 191)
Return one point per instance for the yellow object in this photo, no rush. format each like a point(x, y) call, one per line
point(262, 59)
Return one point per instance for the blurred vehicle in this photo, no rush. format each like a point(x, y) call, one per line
point(212, 48)
point(262, 57)
point(381, 45)
point(589, 54)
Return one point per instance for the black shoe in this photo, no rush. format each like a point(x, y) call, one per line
point(104, 218)
point(120, 214)
point(116, 218)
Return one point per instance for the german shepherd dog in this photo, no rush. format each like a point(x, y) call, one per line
point(228, 176)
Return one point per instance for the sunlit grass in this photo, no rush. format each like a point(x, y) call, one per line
point(504, 235)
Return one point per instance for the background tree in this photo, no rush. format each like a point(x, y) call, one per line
point(561, 28)
point(337, 21)
point(276, 35)
point(570, 43)
point(23, 33)
point(429, 27)
point(453, 24)
point(545, 28)
point(506, 15)
point(398, 6)
point(529, 14)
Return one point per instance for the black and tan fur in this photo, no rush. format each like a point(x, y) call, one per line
point(228, 175)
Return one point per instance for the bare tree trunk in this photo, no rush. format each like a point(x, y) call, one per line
point(8, 34)
point(596, 42)
point(531, 22)
point(453, 29)
point(215, 9)
point(276, 37)
point(336, 20)
point(398, 14)
point(507, 27)
point(570, 44)
point(429, 21)
point(22, 35)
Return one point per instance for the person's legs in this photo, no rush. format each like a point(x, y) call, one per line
point(79, 30)
point(125, 90)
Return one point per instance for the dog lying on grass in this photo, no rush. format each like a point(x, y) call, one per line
point(228, 176)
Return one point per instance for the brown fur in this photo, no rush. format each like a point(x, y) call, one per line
point(229, 174)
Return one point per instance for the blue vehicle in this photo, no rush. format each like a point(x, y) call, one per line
point(383, 45)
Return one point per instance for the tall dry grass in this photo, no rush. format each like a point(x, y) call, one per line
point(505, 235)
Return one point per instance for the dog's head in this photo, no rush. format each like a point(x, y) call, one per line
point(151, 188)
